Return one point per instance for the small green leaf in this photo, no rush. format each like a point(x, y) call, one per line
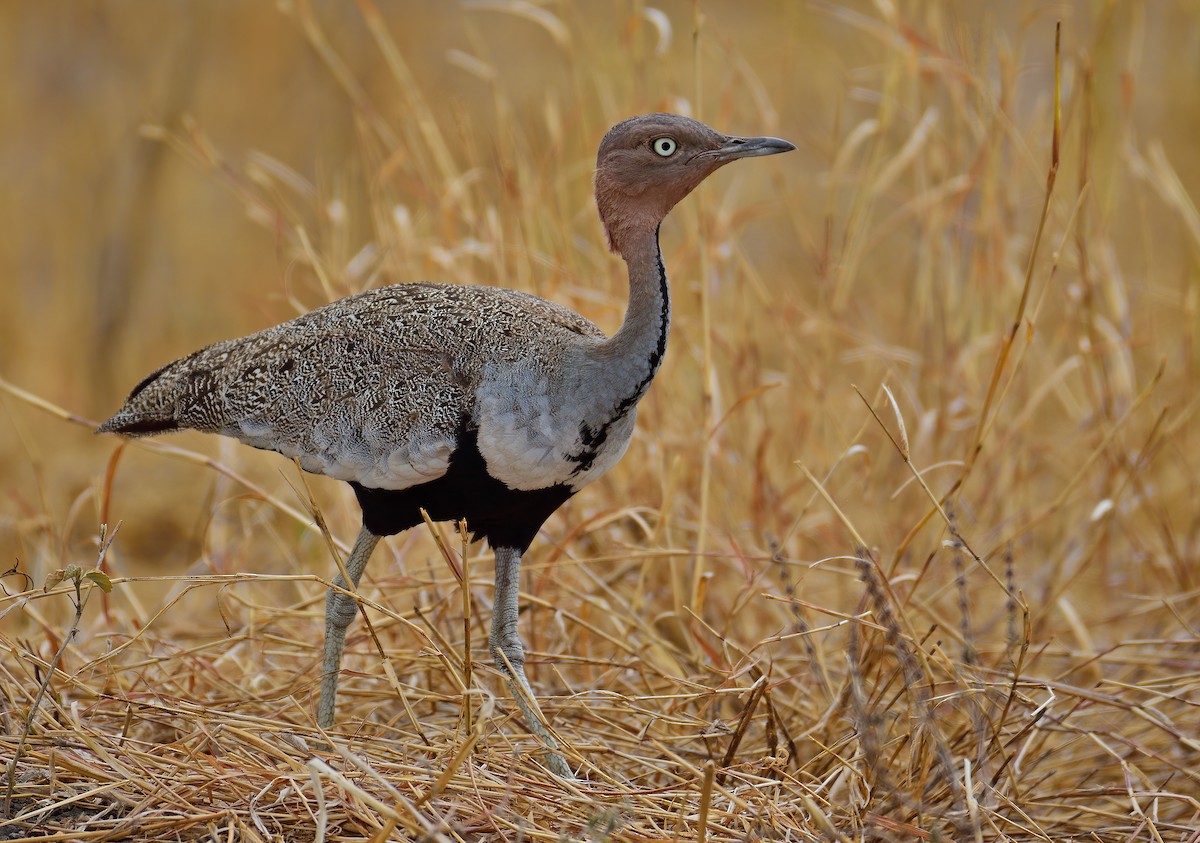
point(100, 578)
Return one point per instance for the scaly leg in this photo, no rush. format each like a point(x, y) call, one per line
point(507, 650)
point(340, 610)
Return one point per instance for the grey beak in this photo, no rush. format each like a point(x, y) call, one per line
point(735, 147)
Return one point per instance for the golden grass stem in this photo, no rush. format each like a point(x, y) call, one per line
point(416, 105)
point(901, 446)
point(1082, 472)
point(342, 74)
point(982, 425)
point(42, 404)
point(452, 767)
point(706, 788)
point(468, 664)
point(756, 694)
point(837, 510)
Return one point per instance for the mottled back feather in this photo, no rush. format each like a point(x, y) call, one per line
point(371, 388)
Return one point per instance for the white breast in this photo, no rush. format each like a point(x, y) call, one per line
point(527, 432)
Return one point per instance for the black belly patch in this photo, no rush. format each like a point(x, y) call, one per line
point(505, 517)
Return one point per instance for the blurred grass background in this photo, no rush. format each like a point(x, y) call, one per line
point(177, 173)
point(121, 254)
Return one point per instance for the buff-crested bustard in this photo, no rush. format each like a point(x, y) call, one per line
point(475, 403)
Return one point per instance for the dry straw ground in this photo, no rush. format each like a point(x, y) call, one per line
point(907, 545)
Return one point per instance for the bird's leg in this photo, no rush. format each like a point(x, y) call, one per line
point(340, 610)
point(509, 653)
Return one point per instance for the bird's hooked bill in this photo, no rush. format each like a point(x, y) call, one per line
point(735, 147)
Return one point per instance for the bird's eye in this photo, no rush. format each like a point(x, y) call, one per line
point(664, 146)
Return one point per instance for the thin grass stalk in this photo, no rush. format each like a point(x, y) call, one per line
point(984, 420)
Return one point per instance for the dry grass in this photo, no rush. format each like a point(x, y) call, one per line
point(907, 547)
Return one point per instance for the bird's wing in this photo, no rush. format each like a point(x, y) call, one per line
point(373, 388)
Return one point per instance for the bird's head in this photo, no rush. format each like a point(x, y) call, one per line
point(647, 164)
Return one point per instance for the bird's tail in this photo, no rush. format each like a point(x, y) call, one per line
point(152, 407)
